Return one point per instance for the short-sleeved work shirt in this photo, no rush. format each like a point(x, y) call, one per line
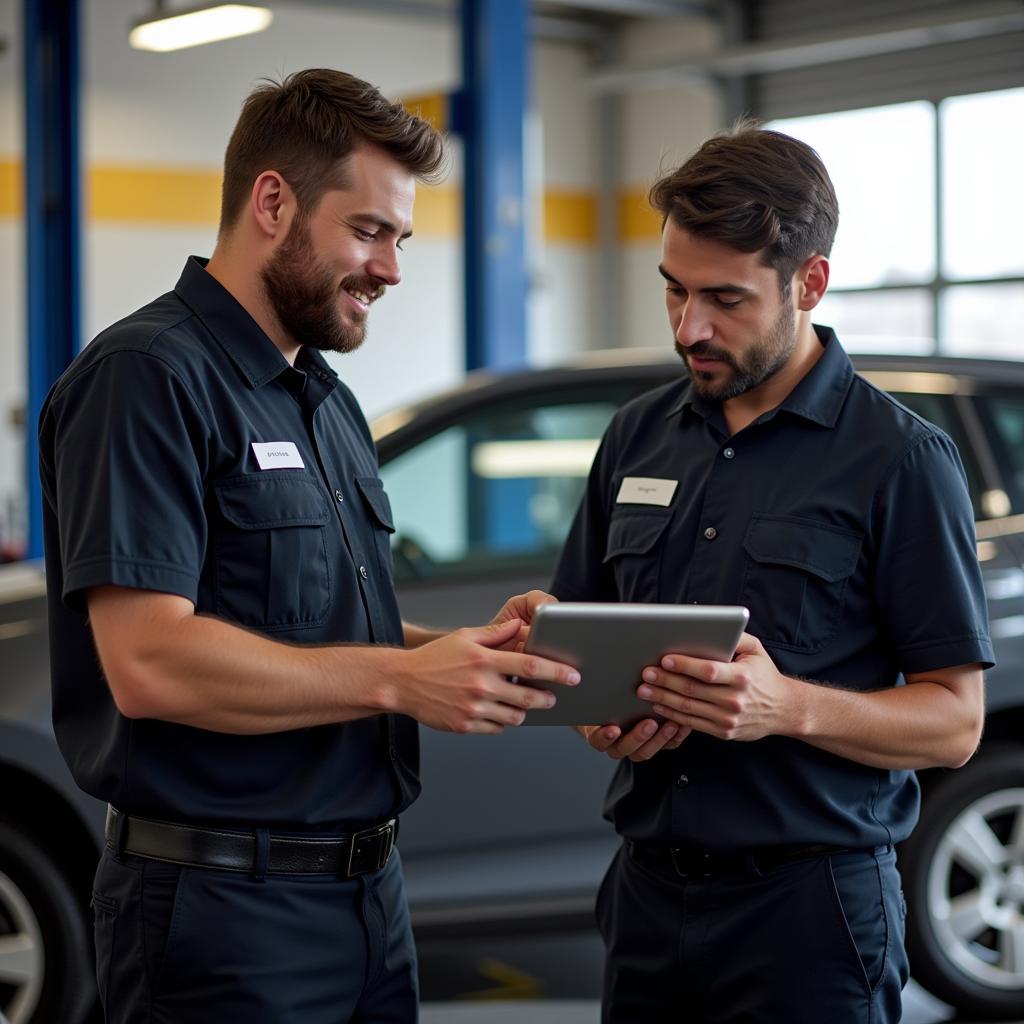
point(842, 521)
point(181, 453)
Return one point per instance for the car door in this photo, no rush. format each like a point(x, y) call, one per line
point(984, 424)
point(999, 410)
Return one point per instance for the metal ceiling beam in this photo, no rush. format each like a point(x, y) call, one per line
point(968, 21)
point(542, 26)
point(641, 8)
point(568, 30)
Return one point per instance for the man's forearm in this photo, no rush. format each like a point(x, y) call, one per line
point(921, 725)
point(201, 671)
point(216, 676)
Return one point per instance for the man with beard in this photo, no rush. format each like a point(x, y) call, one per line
point(760, 803)
point(217, 533)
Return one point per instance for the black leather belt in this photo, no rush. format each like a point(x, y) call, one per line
point(343, 856)
point(693, 862)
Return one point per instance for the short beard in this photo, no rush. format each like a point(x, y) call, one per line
point(764, 359)
point(304, 298)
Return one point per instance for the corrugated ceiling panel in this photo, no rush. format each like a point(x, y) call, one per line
point(775, 19)
point(951, 69)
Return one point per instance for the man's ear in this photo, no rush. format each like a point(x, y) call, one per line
point(811, 282)
point(272, 204)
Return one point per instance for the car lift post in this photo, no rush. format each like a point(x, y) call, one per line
point(52, 217)
point(489, 115)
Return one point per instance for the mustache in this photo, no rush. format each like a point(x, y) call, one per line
point(705, 350)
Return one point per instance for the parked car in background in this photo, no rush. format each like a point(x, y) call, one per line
point(508, 838)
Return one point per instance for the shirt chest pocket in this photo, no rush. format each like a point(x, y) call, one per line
point(795, 579)
point(272, 569)
point(382, 522)
point(634, 551)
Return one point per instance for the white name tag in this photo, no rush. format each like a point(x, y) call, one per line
point(277, 455)
point(646, 490)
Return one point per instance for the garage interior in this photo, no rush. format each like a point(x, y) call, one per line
point(537, 252)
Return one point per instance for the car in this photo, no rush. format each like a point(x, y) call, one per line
point(507, 840)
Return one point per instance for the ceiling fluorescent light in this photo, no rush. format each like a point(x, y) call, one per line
point(208, 24)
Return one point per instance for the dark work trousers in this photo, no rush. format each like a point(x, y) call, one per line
point(814, 941)
point(184, 945)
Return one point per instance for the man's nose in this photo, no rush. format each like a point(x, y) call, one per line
point(694, 325)
point(385, 268)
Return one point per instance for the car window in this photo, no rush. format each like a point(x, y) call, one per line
point(1002, 414)
point(498, 488)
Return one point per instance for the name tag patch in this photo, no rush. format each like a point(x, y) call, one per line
point(646, 490)
point(277, 455)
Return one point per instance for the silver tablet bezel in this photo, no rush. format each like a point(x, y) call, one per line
point(611, 644)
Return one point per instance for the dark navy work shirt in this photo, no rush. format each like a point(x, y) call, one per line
point(842, 521)
point(150, 448)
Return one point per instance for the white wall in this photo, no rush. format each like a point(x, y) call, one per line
point(660, 129)
point(563, 275)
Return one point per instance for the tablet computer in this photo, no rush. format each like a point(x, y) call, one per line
point(611, 644)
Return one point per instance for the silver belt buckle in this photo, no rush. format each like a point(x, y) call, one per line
point(371, 849)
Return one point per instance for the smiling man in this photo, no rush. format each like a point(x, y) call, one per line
point(759, 809)
point(217, 533)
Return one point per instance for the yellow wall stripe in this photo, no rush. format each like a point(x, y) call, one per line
point(11, 199)
point(124, 194)
point(637, 221)
point(152, 195)
point(570, 216)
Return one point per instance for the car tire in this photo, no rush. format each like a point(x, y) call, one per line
point(963, 873)
point(47, 976)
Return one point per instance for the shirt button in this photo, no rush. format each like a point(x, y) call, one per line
point(729, 453)
point(683, 781)
point(710, 533)
point(392, 753)
point(363, 572)
point(339, 495)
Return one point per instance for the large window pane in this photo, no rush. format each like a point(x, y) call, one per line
point(882, 164)
point(982, 200)
point(983, 320)
point(897, 321)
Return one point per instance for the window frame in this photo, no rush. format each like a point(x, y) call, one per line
point(939, 284)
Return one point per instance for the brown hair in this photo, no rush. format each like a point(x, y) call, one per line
point(756, 190)
point(305, 126)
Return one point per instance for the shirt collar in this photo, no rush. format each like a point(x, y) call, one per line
point(309, 360)
point(818, 397)
point(258, 359)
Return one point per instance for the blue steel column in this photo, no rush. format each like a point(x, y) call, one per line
point(489, 114)
point(52, 215)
